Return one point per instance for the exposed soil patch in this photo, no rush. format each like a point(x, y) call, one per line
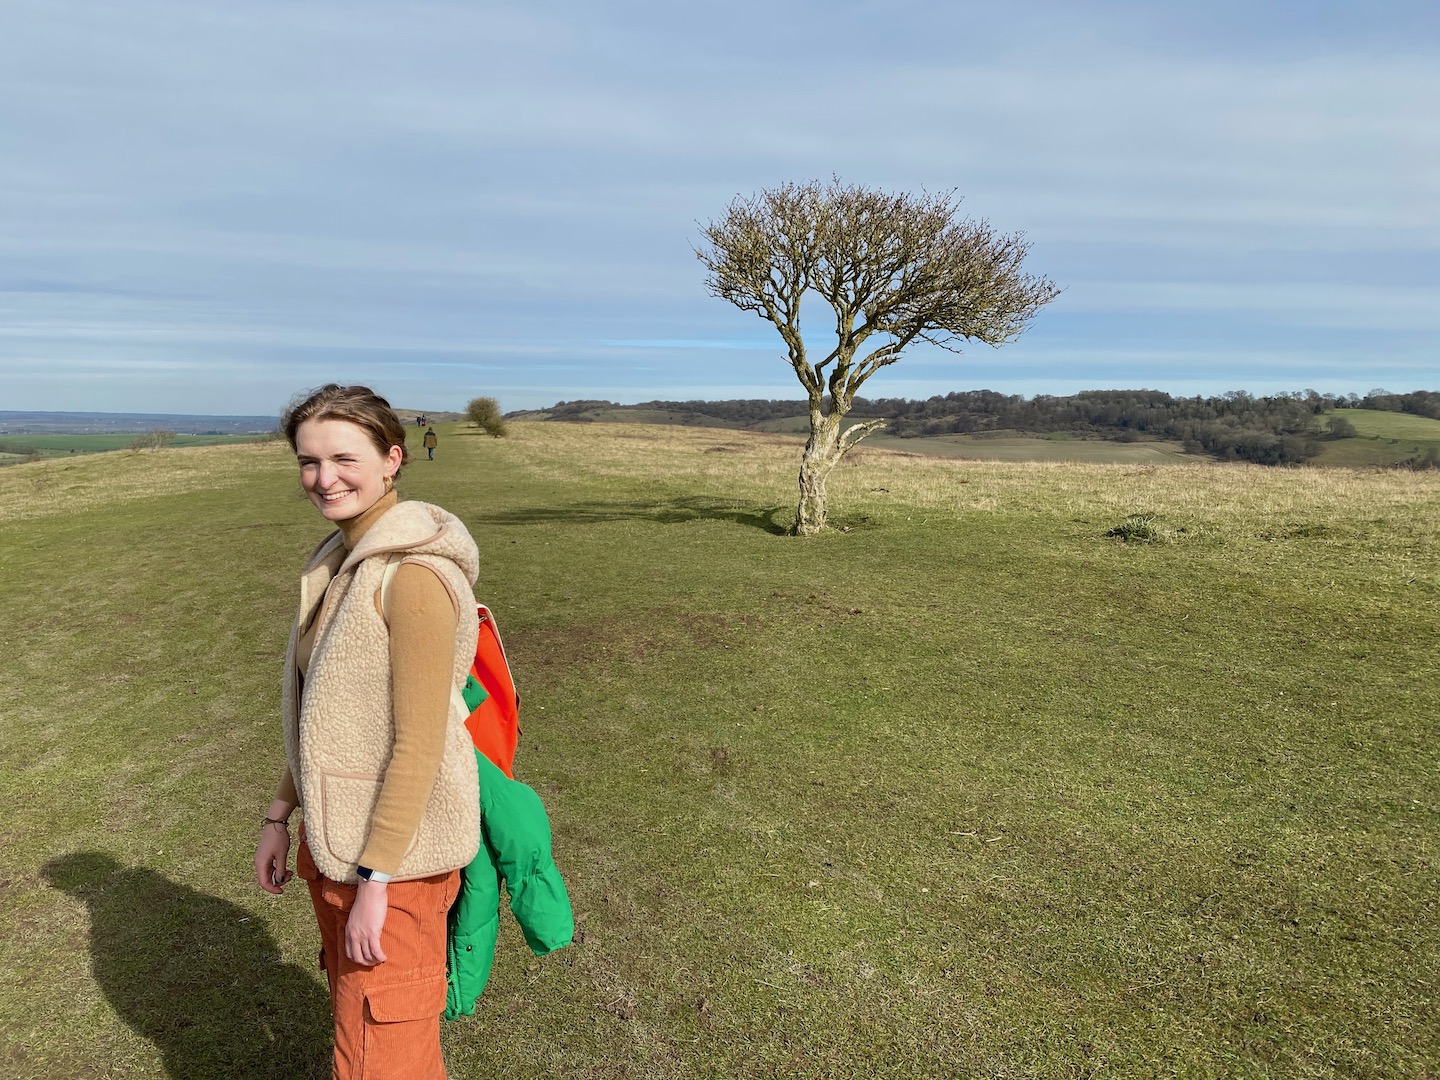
point(648, 634)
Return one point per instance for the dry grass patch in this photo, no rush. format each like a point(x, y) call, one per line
point(92, 482)
point(1219, 493)
point(761, 468)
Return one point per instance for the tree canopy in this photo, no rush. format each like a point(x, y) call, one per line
point(893, 268)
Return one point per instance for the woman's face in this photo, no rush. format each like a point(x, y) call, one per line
point(340, 469)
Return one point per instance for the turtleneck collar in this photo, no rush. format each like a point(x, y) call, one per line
point(354, 528)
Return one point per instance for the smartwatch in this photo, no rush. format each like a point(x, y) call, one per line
point(366, 874)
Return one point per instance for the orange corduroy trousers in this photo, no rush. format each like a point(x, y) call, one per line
point(387, 1017)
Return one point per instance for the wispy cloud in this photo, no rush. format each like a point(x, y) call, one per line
point(443, 188)
point(698, 343)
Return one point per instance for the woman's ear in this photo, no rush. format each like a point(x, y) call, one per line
point(393, 460)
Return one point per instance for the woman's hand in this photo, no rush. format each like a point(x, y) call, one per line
point(273, 851)
point(367, 919)
point(271, 856)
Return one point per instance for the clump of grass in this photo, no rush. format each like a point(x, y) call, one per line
point(1136, 529)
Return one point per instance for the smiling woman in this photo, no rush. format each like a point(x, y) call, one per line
point(375, 742)
point(350, 446)
point(342, 467)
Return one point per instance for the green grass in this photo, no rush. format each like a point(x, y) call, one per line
point(966, 790)
point(1000, 446)
point(640, 416)
point(1056, 447)
point(1383, 438)
point(1391, 425)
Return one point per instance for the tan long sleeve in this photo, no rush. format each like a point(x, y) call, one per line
point(422, 619)
point(285, 790)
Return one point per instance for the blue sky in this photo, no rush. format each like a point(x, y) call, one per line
point(205, 207)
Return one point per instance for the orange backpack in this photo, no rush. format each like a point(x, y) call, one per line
point(489, 693)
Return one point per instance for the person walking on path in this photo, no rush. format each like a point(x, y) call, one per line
point(376, 750)
point(431, 441)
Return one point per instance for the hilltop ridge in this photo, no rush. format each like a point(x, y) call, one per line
point(41, 422)
point(1279, 429)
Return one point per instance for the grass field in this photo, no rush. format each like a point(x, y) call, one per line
point(1011, 446)
point(18, 448)
point(1060, 447)
point(967, 789)
point(1383, 438)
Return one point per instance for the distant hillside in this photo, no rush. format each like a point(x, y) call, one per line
point(1281, 429)
point(32, 436)
point(98, 423)
point(1384, 438)
point(13, 422)
point(434, 416)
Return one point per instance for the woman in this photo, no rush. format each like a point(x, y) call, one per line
point(375, 744)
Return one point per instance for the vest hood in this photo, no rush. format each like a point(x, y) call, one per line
point(416, 528)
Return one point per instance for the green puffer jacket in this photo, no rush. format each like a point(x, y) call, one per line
point(515, 847)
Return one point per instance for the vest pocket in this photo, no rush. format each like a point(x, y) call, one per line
point(347, 805)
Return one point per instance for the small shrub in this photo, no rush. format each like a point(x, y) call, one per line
point(1430, 459)
point(152, 440)
point(484, 413)
point(1136, 529)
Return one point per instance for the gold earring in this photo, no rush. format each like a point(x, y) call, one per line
point(389, 481)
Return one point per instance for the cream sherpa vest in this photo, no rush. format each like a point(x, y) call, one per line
point(339, 732)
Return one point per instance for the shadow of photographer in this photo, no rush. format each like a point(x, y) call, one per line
point(196, 975)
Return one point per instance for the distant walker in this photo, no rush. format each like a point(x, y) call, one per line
point(430, 441)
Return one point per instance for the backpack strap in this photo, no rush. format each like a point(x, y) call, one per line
point(392, 565)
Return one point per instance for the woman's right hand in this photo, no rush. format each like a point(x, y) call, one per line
point(271, 856)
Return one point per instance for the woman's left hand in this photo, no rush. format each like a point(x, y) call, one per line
point(367, 919)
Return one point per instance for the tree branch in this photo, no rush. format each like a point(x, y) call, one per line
point(857, 432)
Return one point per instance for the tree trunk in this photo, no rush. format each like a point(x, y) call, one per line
point(822, 451)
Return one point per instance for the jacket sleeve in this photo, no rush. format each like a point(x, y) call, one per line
point(474, 927)
point(515, 827)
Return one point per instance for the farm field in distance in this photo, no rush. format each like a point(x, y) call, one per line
point(18, 448)
point(1382, 438)
point(963, 787)
point(1013, 446)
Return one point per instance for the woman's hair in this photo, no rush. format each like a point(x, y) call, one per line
point(358, 404)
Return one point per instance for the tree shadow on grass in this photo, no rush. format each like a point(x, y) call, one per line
point(664, 512)
point(196, 975)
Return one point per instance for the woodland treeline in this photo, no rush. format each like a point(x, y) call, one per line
point(1281, 429)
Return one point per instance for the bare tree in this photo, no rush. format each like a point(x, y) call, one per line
point(895, 269)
